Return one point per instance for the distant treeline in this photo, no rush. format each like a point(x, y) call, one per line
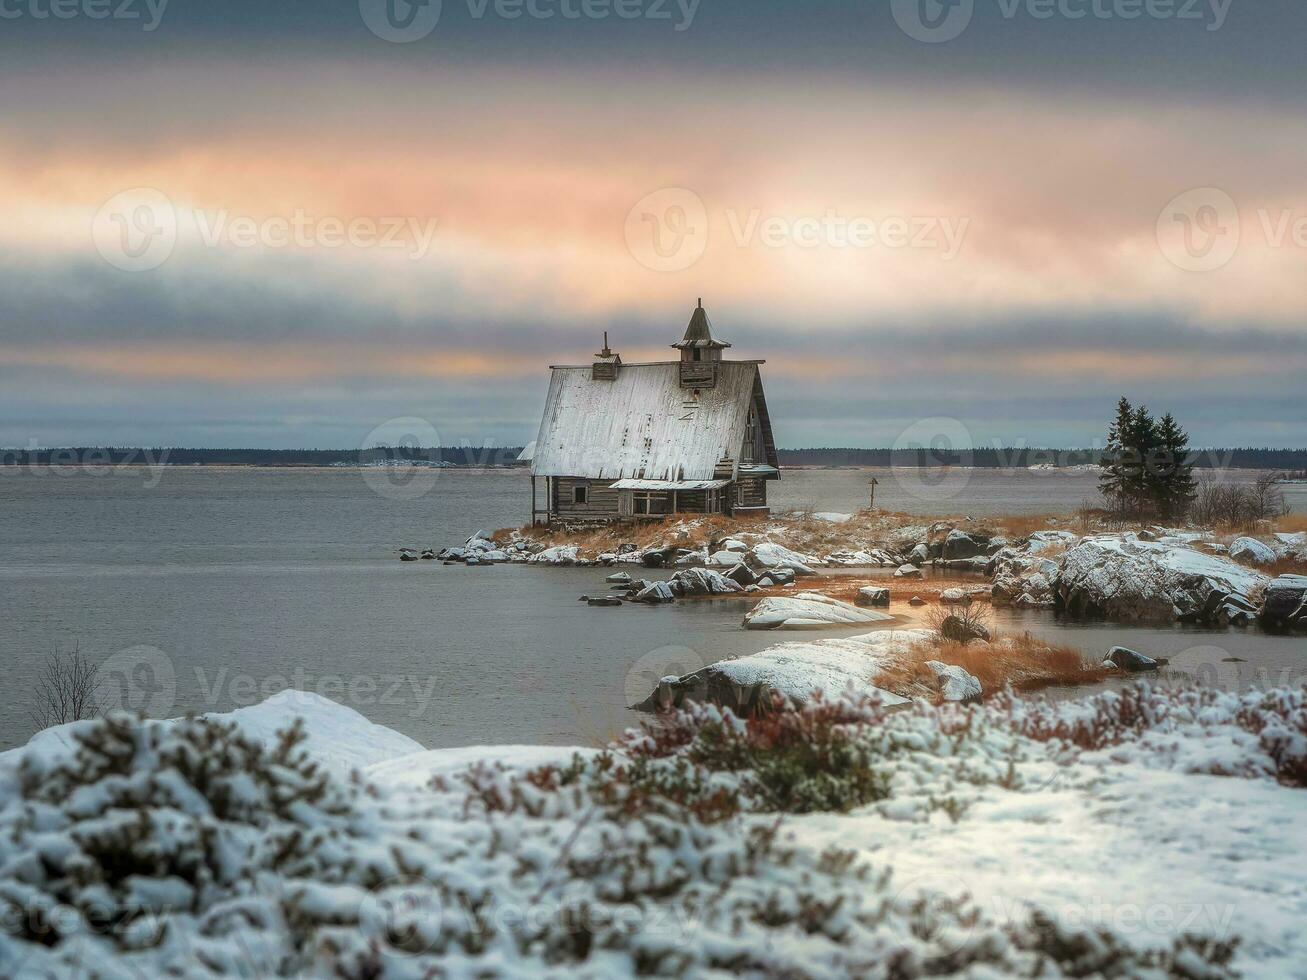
point(119, 456)
point(1290, 460)
point(1257, 459)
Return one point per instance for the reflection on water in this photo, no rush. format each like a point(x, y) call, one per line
point(239, 582)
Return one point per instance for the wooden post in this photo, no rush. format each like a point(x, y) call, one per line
point(874, 484)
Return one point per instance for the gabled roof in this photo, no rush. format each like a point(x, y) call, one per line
point(699, 332)
point(642, 425)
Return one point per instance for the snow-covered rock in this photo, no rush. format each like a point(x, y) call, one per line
point(561, 555)
point(960, 544)
point(1042, 541)
point(767, 554)
point(1250, 551)
point(1138, 581)
point(1130, 660)
point(1018, 575)
point(655, 593)
point(794, 670)
point(955, 683)
point(621, 578)
point(742, 574)
point(907, 571)
point(1284, 604)
point(833, 518)
point(808, 610)
point(702, 581)
point(873, 595)
point(776, 576)
point(724, 559)
point(954, 597)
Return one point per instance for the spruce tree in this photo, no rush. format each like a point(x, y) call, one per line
point(1112, 481)
point(1176, 486)
point(1142, 476)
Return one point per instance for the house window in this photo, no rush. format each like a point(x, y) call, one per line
point(581, 495)
point(650, 503)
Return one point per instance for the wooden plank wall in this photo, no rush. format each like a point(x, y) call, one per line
point(602, 502)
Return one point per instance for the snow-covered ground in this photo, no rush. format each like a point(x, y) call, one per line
point(1090, 837)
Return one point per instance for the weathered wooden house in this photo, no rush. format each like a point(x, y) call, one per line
point(635, 441)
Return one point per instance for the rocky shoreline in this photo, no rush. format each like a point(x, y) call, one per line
point(1145, 575)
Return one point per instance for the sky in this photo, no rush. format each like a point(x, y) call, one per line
point(329, 224)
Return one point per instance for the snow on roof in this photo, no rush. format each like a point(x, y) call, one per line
point(642, 425)
point(669, 484)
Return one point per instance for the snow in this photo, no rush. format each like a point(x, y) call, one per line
point(833, 518)
point(1147, 853)
point(454, 863)
point(339, 738)
point(808, 610)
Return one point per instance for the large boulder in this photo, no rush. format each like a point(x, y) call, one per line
point(1139, 581)
point(960, 544)
point(702, 581)
point(1023, 579)
point(561, 555)
point(768, 555)
point(1042, 541)
point(793, 670)
point(654, 593)
point(742, 574)
point(955, 684)
point(1284, 604)
point(1130, 660)
point(872, 595)
point(776, 576)
point(1250, 551)
point(808, 610)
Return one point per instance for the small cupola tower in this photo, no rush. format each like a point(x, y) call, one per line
point(700, 352)
point(606, 364)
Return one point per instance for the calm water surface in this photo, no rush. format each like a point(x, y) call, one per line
point(216, 587)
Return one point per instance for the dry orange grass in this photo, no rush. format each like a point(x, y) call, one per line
point(1024, 525)
point(1284, 566)
point(643, 534)
point(1024, 662)
point(1291, 523)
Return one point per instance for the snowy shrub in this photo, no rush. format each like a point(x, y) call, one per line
point(1256, 733)
point(185, 848)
